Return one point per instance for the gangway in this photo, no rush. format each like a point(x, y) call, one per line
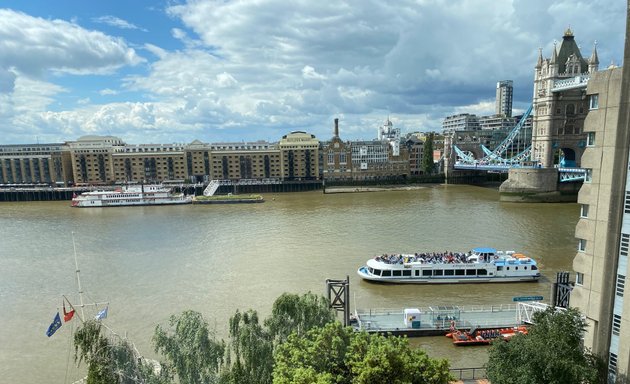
point(212, 187)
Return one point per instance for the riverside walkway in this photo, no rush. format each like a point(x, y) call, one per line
point(437, 320)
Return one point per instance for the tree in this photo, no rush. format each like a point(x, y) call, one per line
point(299, 314)
point(427, 156)
point(551, 352)
point(191, 349)
point(334, 354)
point(252, 345)
point(113, 360)
point(250, 352)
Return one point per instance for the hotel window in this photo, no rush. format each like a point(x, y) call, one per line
point(584, 210)
point(582, 245)
point(579, 278)
point(621, 285)
point(616, 324)
point(594, 101)
point(590, 139)
point(626, 204)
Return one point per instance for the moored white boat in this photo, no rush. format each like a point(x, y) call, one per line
point(481, 265)
point(130, 195)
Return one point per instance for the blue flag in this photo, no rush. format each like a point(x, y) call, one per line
point(102, 314)
point(54, 326)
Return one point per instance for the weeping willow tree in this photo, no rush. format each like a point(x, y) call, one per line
point(190, 348)
point(252, 344)
point(250, 351)
point(298, 314)
point(112, 360)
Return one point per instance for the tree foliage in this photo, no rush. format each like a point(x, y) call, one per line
point(427, 156)
point(190, 348)
point(250, 352)
point(251, 347)
point(334, 354)
point(551, 352)
point(112, 360)
point(299, 314)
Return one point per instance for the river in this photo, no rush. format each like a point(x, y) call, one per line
point(152, 262)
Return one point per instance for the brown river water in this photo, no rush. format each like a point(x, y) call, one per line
point(151, 262)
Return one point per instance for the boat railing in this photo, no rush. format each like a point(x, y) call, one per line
point(429, 310)
point(469, 373)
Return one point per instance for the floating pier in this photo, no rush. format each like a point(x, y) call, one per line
point(438, 320)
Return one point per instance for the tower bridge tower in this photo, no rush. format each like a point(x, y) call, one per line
point(560, 104)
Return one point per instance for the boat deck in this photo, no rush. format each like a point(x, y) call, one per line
point(437, 320)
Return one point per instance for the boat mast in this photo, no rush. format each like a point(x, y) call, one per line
point(77, 271)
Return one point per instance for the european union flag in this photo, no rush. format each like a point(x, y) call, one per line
point(101, 315)
point(54, 326)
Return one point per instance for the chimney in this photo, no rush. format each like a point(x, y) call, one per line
point(336, 127)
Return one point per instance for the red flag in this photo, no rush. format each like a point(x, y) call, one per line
point(67, 316)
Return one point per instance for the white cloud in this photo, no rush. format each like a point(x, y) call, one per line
point(116, 22)
point(225, 80)
point(32, 46)
point(107, 92)
point(309, 72)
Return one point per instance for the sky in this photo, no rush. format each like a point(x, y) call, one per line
point(233, 71)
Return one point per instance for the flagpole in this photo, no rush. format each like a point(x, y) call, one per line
point(74, 309)
point(76, 264)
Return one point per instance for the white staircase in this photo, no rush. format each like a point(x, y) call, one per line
point(211, 188)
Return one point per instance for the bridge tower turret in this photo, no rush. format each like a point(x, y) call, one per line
point(560, 104)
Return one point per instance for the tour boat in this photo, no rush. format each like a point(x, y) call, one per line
point(130, 195)
point(481, 265)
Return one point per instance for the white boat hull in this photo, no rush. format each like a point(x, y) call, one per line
point(445, 280)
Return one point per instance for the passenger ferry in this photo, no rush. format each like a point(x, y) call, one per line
point(481, 265)
point(130, 195)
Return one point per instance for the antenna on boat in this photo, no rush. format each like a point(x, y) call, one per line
point(77, 271)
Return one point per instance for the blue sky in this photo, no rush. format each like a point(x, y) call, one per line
point(176, 71)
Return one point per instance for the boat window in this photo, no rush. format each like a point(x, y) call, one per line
point(438, 272)
point(471, 272)
point(386, 273)
point(516, 268)
point(525, 267)
point(534, 267)
point(499, 268)
point(459, 272)
point(406, 272)
point(449, 272)
point(482, 272)
point(371, 270)
point(426, 272)
point(377, 272)
point(417, 272)
point(396, 273)
point(507, 268)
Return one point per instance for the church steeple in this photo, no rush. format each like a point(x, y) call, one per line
point(593, 61)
